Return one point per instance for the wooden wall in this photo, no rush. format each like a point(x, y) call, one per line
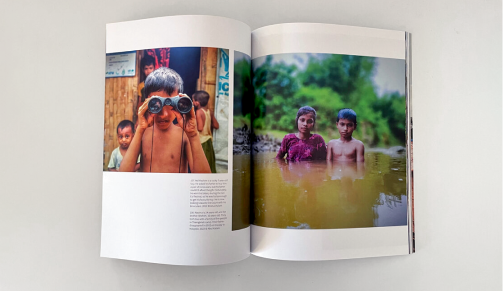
point(208, 74)
point(121, 98)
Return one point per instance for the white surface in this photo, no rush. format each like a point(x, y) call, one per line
point(178, 31)
point(328, 39)
point(329, 244)
point(146, 218)
point(52, 140)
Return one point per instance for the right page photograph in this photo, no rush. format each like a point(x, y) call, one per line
point(330, 146)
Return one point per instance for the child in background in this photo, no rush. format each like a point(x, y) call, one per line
point(125, 133)
point(205, 122)
point(346, 148)
point(147, 65)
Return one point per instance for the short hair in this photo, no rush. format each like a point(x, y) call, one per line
point(347, 113)
point(303, 111)
point(147, 60)
point(125, 123)
point(202, 97)
point(163, 79)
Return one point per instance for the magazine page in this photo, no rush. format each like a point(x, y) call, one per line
point(330, 157)
point(168, 136)
point(241, 132)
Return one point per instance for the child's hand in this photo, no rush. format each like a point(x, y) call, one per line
point(144, 122)
point(190, 123)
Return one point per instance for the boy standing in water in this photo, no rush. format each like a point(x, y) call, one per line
point(205, 122)
point(346, 148)
point(164, 146)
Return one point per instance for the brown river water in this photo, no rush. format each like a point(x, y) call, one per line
point(324, 195)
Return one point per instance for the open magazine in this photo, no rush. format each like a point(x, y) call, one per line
point(291, 142)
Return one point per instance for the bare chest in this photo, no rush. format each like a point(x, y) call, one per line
point(344, 150)
point(163, 155)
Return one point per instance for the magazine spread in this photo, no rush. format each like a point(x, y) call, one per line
point(289, 142)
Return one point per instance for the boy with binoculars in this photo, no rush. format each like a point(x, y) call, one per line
point(164, 146)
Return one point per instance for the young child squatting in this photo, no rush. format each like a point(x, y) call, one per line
point(125, 134)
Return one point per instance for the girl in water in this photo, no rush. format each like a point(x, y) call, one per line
point(303, 145)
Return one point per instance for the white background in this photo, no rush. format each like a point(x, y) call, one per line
point(52, 65)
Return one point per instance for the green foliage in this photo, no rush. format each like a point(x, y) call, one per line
point(243, 88)
point(328, 84)
point(393, 106)
point(239, 121)
point(342, 73)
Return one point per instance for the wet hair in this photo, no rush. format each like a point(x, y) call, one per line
point(163, 79)
point(303, 111)
point(125, 123)
point(202, 97)
point(347, 113)
point(147, 60)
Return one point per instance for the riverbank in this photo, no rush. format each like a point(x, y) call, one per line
point(243, 140)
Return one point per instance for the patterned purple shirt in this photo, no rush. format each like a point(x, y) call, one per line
point(313, 148)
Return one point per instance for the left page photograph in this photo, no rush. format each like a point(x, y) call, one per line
point(168, 141)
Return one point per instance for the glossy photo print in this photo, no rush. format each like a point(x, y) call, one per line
point(167, 111)
point(241, 144)
point(329, 144)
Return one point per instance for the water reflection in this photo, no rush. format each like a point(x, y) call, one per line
point(241, 191)
point(326, 195)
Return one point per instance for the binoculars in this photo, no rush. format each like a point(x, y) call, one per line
point(181, 104)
